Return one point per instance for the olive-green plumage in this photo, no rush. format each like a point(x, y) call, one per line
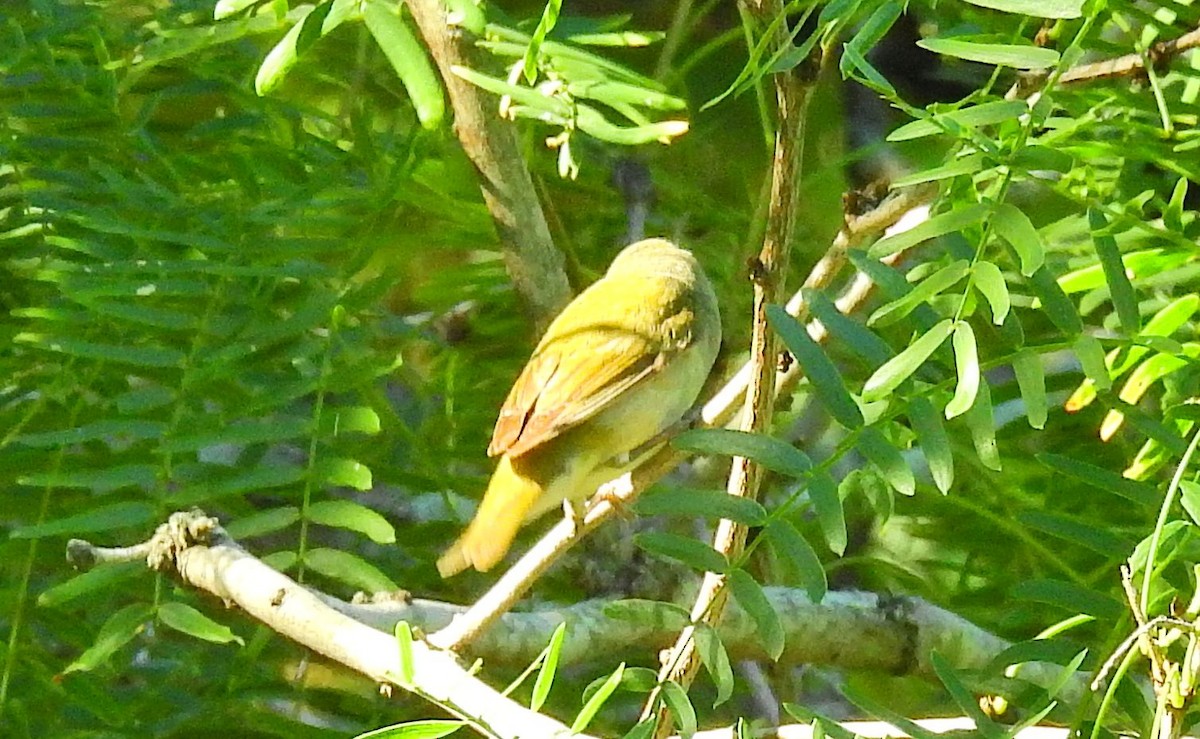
point(622, 362)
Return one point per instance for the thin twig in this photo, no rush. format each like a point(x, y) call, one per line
point(535, 265)
point(1131, 64)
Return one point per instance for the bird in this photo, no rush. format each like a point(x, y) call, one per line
point(622, 362)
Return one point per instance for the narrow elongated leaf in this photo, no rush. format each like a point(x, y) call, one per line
point(935, 442)
point(698, 502)
point(984, 114)
point(408, 59)
point(793, 551)
point(716, 661)
point(693, 553)
point(888, 460)
point(754, 602)
point(653, 613)
point(101, 579)
point(404, 650)
point(966, 700)
point(681, 708)
point(271, 430)
point(1035, 8)
point(1031, 379)
point(882, 712)
point(118, 630)
point(187, 620)
point(929, 288)
point(939, 225)
point(1000, 55)
point(823, 492)
point(545, 676)
point(775, 455)
point(898, 369)
point(1092, 537)
point(981, 421)
point(597, 701)
point(101, 480)
point(1015, 228)
point(847, 331)
point(826, 380)
point(434, 728)
point(1069, 596)
point(1120, 289)
point(318, 21)
point(99, 518)
point(1091, 358)
point(349, 569)
point(1059, 308)
point(966, 364)
point(113, 431)
point(141, 355)
point(264, 522)
point(545, 25)
point(1189, 493)
point(1132, 490)
point(990, 282)
point(346, 514)
point(956, 167)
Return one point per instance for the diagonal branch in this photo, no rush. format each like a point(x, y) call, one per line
point(535, 265)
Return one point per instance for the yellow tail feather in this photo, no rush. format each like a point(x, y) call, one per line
point(508, 500)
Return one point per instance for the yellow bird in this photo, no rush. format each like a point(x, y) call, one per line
point(621, 363)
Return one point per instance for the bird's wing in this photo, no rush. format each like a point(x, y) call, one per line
point(572, 377)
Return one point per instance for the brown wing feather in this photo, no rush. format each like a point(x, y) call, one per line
point(569, 381)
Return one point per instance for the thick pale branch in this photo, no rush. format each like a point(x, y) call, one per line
point(194, 547)
point(1131, 64)
point(535, 265)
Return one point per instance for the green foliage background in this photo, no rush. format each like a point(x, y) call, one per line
point(239, 302)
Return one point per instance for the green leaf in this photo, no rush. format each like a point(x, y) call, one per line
point(929, 288)
point(939, 225)
point(1134, 491)
point(1069, 596)
point(772, 453)
point(249, 431)
point(264, 522)
point(100, 579)
point(1035, 8)
point(597, 701)
point(118, 630)
point(956, 167)
point(434, 728)
point(100, 480)
point(349, 569)
point(694, 554)
point(898, 369)
point(1086, 535)
point(404, 649)
point(990, 282)
point(1091, 358)
point(651, 613)
point(185, 619)
point(715, 660)
point(966, 700)
point(826, 380)
point(1000, 55)
point(881, 712)
point(1120, 289)
point(140, 355)
point(1031, 379)
point(794, 551)
point(681, 708)
point(974, 116)
point(114, 432)
point(545, 677)
point(699, 502)
point(754, 602)
point(99, 518)
point(342, 471)
point(982, 424)
point(1058, 307)
point(1190, 497)
point(1015, 227)
point(935, 442)
point(408, 59)
point(822, 490)
point(545, 25)
point(847, 331)
point(319, 20)
point(966, 365)
point(888, 460)
point(346, 514)
point(350, 419)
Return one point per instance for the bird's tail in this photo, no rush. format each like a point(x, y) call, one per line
point(508, 500)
